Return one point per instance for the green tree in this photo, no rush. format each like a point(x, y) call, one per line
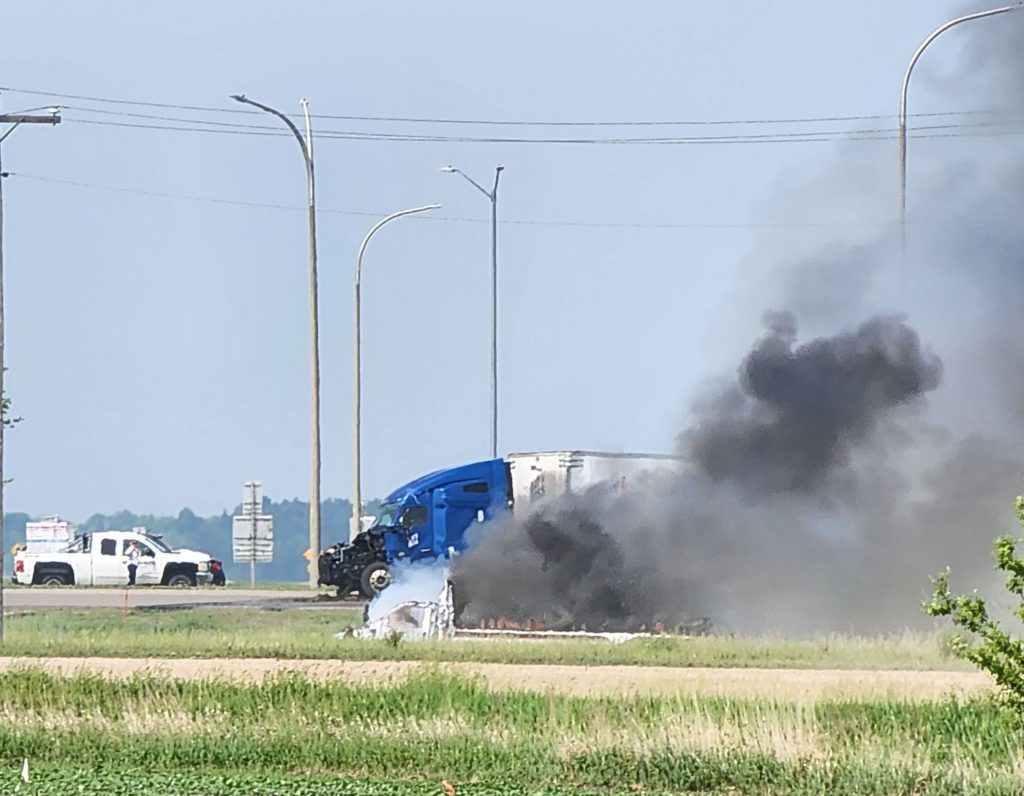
point(984, 641)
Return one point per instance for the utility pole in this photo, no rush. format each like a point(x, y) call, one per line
point(15, 120)
point(306, 145)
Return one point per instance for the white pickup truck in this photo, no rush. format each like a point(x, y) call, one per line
point(99, 559)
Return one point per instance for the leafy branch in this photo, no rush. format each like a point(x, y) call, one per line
point(984, 642)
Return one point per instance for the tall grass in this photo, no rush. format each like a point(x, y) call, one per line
point(435, 727)
point(293, 634)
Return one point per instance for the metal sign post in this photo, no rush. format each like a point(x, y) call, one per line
point(252, 532)
point(252, 505)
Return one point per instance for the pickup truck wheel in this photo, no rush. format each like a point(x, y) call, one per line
point(180, 581)
point(55, 579)
point(375, 579)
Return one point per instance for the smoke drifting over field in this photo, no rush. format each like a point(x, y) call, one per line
point(823, 480)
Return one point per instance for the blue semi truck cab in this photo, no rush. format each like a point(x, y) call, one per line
point(425, 519)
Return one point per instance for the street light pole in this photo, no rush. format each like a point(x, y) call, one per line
point(492, 196)
point(14, 119)
point(306, 145)
point(357, 497)
point(903, 122)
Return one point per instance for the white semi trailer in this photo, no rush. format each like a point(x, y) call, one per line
point(554, 473)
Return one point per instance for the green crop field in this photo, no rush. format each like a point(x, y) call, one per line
point(148, 735)
point(299, 633)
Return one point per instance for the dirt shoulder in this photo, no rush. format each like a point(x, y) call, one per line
point(784, 684)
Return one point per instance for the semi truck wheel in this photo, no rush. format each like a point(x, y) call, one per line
point(375, 578)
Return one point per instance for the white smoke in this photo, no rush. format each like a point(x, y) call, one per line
point(419, 581)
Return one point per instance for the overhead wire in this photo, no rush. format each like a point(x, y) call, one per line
point(238, 125)
point(511, 122)
point(371, 214)
point(1011, 124)
point(964, 130)
point(1004, 123)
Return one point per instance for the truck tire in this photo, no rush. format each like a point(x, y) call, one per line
point(375, 578)
point(181, 581)
point(51, 574)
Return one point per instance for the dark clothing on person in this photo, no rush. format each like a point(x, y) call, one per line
point(132, 554)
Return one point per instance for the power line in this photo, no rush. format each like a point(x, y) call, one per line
point(514, 122)
point(754, 136)
point(978, 129)
point(156, 117)
point(369, 214)
point(177, 123)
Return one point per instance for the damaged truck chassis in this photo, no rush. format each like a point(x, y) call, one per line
point(360, 567)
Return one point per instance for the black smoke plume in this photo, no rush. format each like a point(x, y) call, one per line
point(784, 435)
point(795, 414)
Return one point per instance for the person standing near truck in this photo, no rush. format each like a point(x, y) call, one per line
point(133, 555)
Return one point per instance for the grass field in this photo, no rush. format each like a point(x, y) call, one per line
point(293, 634)
point(293, 735)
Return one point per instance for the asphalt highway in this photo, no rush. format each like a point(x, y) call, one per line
point(155, 597)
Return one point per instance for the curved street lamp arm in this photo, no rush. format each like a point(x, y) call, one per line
point(378, 225)
point(306, 151)
point(903, 121)
point(934, 35)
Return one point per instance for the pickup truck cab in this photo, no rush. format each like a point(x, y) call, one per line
point(99, 559)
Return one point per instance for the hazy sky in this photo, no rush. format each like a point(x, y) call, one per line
point(158, 346)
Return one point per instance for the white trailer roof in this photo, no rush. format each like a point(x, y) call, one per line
point(603, 454)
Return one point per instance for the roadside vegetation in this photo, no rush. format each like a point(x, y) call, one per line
point(989, 644)
point(308, 633)
point(289, 734)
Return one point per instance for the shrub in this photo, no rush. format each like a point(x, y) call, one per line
point(985, 642)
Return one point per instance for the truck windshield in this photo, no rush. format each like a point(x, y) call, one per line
point(388, 515)
point(157, 543)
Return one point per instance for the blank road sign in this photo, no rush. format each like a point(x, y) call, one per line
point(245, 547)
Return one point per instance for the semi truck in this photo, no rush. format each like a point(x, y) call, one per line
point(98, 559)
point(428, 517)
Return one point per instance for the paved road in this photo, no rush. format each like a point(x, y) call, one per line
point(150, 597)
